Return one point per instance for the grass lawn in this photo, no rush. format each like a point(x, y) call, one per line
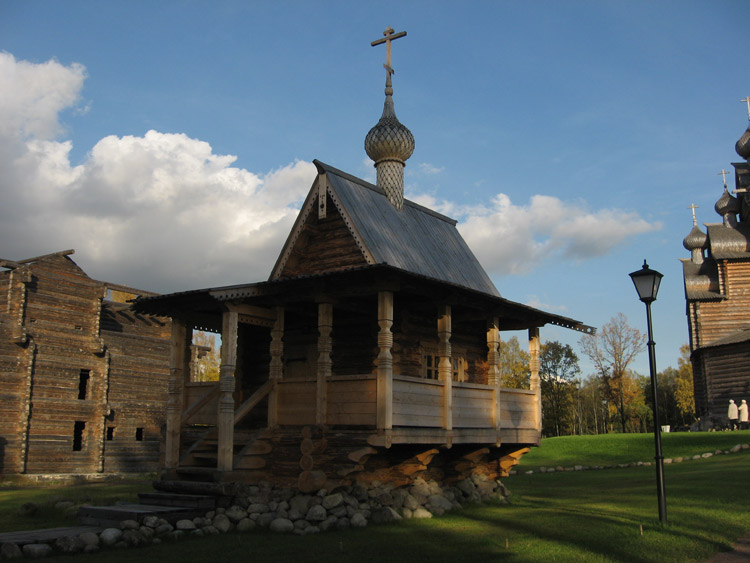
point(613, 449)
point(573, 516)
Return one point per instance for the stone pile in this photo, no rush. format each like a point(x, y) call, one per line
point(285, 511)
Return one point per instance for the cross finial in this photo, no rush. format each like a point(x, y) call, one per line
point(389, 36)
point(747, 101)
point(693, 207)
point(723, 174)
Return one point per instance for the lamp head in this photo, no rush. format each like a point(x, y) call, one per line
point(646, 283)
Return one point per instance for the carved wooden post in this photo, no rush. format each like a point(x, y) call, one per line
point(445, 365)
point(385, 362)
point(276, 369)
point(534, 369)
point(178, 371)
point(225, 419)
point(493, 371)
point(325, 345)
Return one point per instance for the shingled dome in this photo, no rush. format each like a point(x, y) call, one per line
point(389, 139)
point(727, 204)
point(695, 240)
point(742, 146)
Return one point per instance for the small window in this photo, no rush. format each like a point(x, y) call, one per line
point(139, 434)
point(110, 433)
point(78, 429)
point(83, 383)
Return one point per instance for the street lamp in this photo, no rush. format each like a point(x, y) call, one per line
point(646, 283)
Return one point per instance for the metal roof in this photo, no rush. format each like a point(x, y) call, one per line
point(727, 243)
point(414, 239)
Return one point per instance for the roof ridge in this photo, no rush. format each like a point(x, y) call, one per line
point(323, 167)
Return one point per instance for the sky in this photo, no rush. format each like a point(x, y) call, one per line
point(171, 143)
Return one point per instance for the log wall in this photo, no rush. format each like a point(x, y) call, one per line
point(84, 380)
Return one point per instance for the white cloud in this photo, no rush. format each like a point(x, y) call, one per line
point(163, 212)
point(514, 239)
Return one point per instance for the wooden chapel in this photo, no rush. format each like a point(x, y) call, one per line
point(370, 352)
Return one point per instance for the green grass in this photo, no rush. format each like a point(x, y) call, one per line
point(586, 516)
point(613, 449)
point(13, 494)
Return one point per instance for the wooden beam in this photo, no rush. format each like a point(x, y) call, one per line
point(493, 370)
point(445, 365)
point(534, 369)
point(385, 364)
point(178, 371)
point(225, 417)
point(325, 346)
point(276, 369)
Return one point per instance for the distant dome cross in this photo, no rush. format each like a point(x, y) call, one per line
point(723, 174)
point(389, 36)
point(693, 207)
point(746, 100)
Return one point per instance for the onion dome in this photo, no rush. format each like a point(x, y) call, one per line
point(389, 139)
point(742, 146)
point(727, 204)
point(696, 239)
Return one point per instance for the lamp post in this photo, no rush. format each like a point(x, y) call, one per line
point(646, 283)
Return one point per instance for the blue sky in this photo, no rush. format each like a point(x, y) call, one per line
point(170, 143)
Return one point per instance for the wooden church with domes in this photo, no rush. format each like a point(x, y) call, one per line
point(371, 352)
point(717, 294)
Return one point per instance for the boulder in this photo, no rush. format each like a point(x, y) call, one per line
point(332, 501)
point(110, 536)
point(316, 513)
point(36, 550)
point(281, 525)
point(69, 544)
point(185, 525)
point(10, 551)
point(28, 509)
point(245, 525)
point(222, 523)
point(421, 513)
point(358, 520)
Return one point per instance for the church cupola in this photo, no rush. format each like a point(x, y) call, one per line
point(696, 241)
point(727, 205)
point(389, 143)
point(742, 146)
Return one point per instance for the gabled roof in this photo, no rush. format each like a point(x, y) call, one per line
point(701, 280)
point(727, 243)
point(413, 239)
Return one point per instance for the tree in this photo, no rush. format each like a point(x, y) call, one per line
point(684, 390)
point(514, 364)
point(205, 357)
point(612, 349)
point(558, 368)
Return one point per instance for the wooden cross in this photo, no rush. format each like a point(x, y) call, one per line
point(723, 174)
point(389, 36)
point(693, 207)
point(747, 101)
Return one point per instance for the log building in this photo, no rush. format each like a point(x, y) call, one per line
point(717, 294)
point(83, 379)
point(370, 352)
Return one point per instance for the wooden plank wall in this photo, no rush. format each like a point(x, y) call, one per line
point(472, 406)
point(728, 376)
point(517, 409)
point(194, 391)
point(297, 401)
point(417, 402)
point(352, 401)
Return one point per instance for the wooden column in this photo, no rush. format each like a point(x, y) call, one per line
point(276, 369)
point(445, 365)
point(385, 363)
point(178, 372)
point(225, 418)
point(325, 345)
point(534, 369)
point(493, 370)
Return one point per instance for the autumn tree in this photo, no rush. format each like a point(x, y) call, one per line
point(514, 364)
point(612, 349)
point(558, 368)
point(205, 358)
point(684, 390)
